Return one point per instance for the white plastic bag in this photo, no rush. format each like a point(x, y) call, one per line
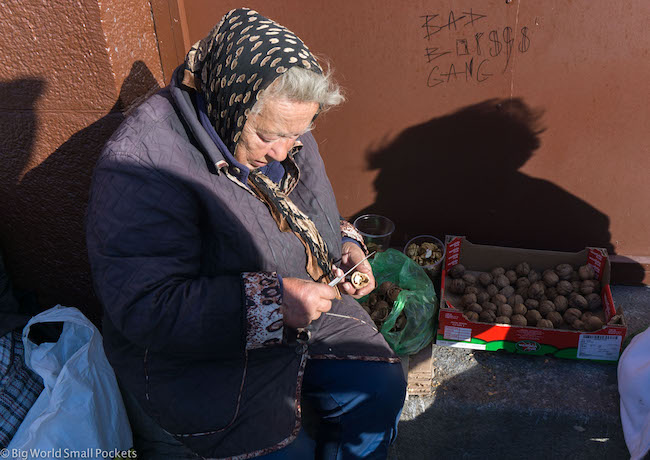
point(81, 409)
point(634, 388)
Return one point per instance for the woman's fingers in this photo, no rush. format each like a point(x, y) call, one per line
point(304, 301)
point(348, 288)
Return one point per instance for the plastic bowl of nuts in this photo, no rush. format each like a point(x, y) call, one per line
point(428, 252)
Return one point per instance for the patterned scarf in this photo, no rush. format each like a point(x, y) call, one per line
point(232, 67)
point(236, 62)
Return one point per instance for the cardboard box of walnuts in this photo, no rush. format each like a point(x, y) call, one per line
point(571, 334)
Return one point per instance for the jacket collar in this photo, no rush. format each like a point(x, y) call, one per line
point(183, 101)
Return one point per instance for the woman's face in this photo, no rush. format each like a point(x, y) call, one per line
point(270, 134)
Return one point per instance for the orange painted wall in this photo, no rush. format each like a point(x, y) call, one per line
point(550, 150)
point(70, 70)
point(518, 123)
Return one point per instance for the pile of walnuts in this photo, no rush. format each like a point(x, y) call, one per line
point(563, 297)
point(380, 303)
point(427, 253)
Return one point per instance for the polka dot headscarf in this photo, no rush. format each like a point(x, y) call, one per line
point(236, 62)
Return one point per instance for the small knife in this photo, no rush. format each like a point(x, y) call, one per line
point(336, 281)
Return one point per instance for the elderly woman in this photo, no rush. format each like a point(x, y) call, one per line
point(213, 233)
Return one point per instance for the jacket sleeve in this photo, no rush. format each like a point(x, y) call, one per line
point(349, 233)
point(144, 246)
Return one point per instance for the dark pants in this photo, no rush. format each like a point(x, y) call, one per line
point(352, 409)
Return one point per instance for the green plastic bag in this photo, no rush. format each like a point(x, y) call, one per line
point(417, 300)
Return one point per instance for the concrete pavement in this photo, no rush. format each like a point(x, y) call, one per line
point(487, 405)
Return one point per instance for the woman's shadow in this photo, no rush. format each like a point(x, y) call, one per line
point(43, 209)
point(459, 174)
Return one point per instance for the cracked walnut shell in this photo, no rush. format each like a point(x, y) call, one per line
point(359, 280)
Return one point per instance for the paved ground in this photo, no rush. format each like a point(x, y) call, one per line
point(486, 405)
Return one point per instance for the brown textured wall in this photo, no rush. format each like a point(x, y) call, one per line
point(519, 123)
point(69, 72)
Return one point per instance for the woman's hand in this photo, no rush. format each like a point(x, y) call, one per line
point(351, 254)
point(304, 301)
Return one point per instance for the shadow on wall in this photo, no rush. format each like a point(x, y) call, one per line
point(42, 210)
point(459, 174)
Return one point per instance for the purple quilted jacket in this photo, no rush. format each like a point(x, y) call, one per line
point(185, 262)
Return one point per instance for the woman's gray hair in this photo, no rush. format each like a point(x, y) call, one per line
point(298, 84)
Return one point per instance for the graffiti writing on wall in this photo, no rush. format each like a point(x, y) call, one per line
point(461, 46)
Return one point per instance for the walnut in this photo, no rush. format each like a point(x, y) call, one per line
point(571, 314)
point(536, 290)
point(502, 320)
point(475, 308)
point(551, 293)
point(561, 303)
point(485, 279)
point(534, 276)
point(597, 286)
point(545, 307)
point(514, 299)
point(359, 280)
point(412, 251)
point(384, 287)
point(564, 271)
point(522, 291)
point(468, 299)
point(490, 306)
point(400, 322)
point(533, 316)
point(507, 291)
point(576, 286)
point(522, 282)
point(471, 290)
point(585, 316)
point(487, 316)
point(380, 313)
point(499, 299)
point(564, 288)
point(492, 290)
point(519, 309)
point(366, 308)
point(497, 271)
point(518, 320)
point(457, 271)
point(550, 278)
point(469, 279)
point(501, 281)
point(373, 298)
point(577, 301)
point(555, 318)
point(471, 315)
point(587, 287)
point(457, 286)
point(393, 293)
point(593, 323)
point(482, 297)
point(531, 304)
point(522, 269)
point(586, 272)
point(574, 276)
point(504, 310)
point(578, 325)
point(594, 301)
point(545, 323)
point(511, 275)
